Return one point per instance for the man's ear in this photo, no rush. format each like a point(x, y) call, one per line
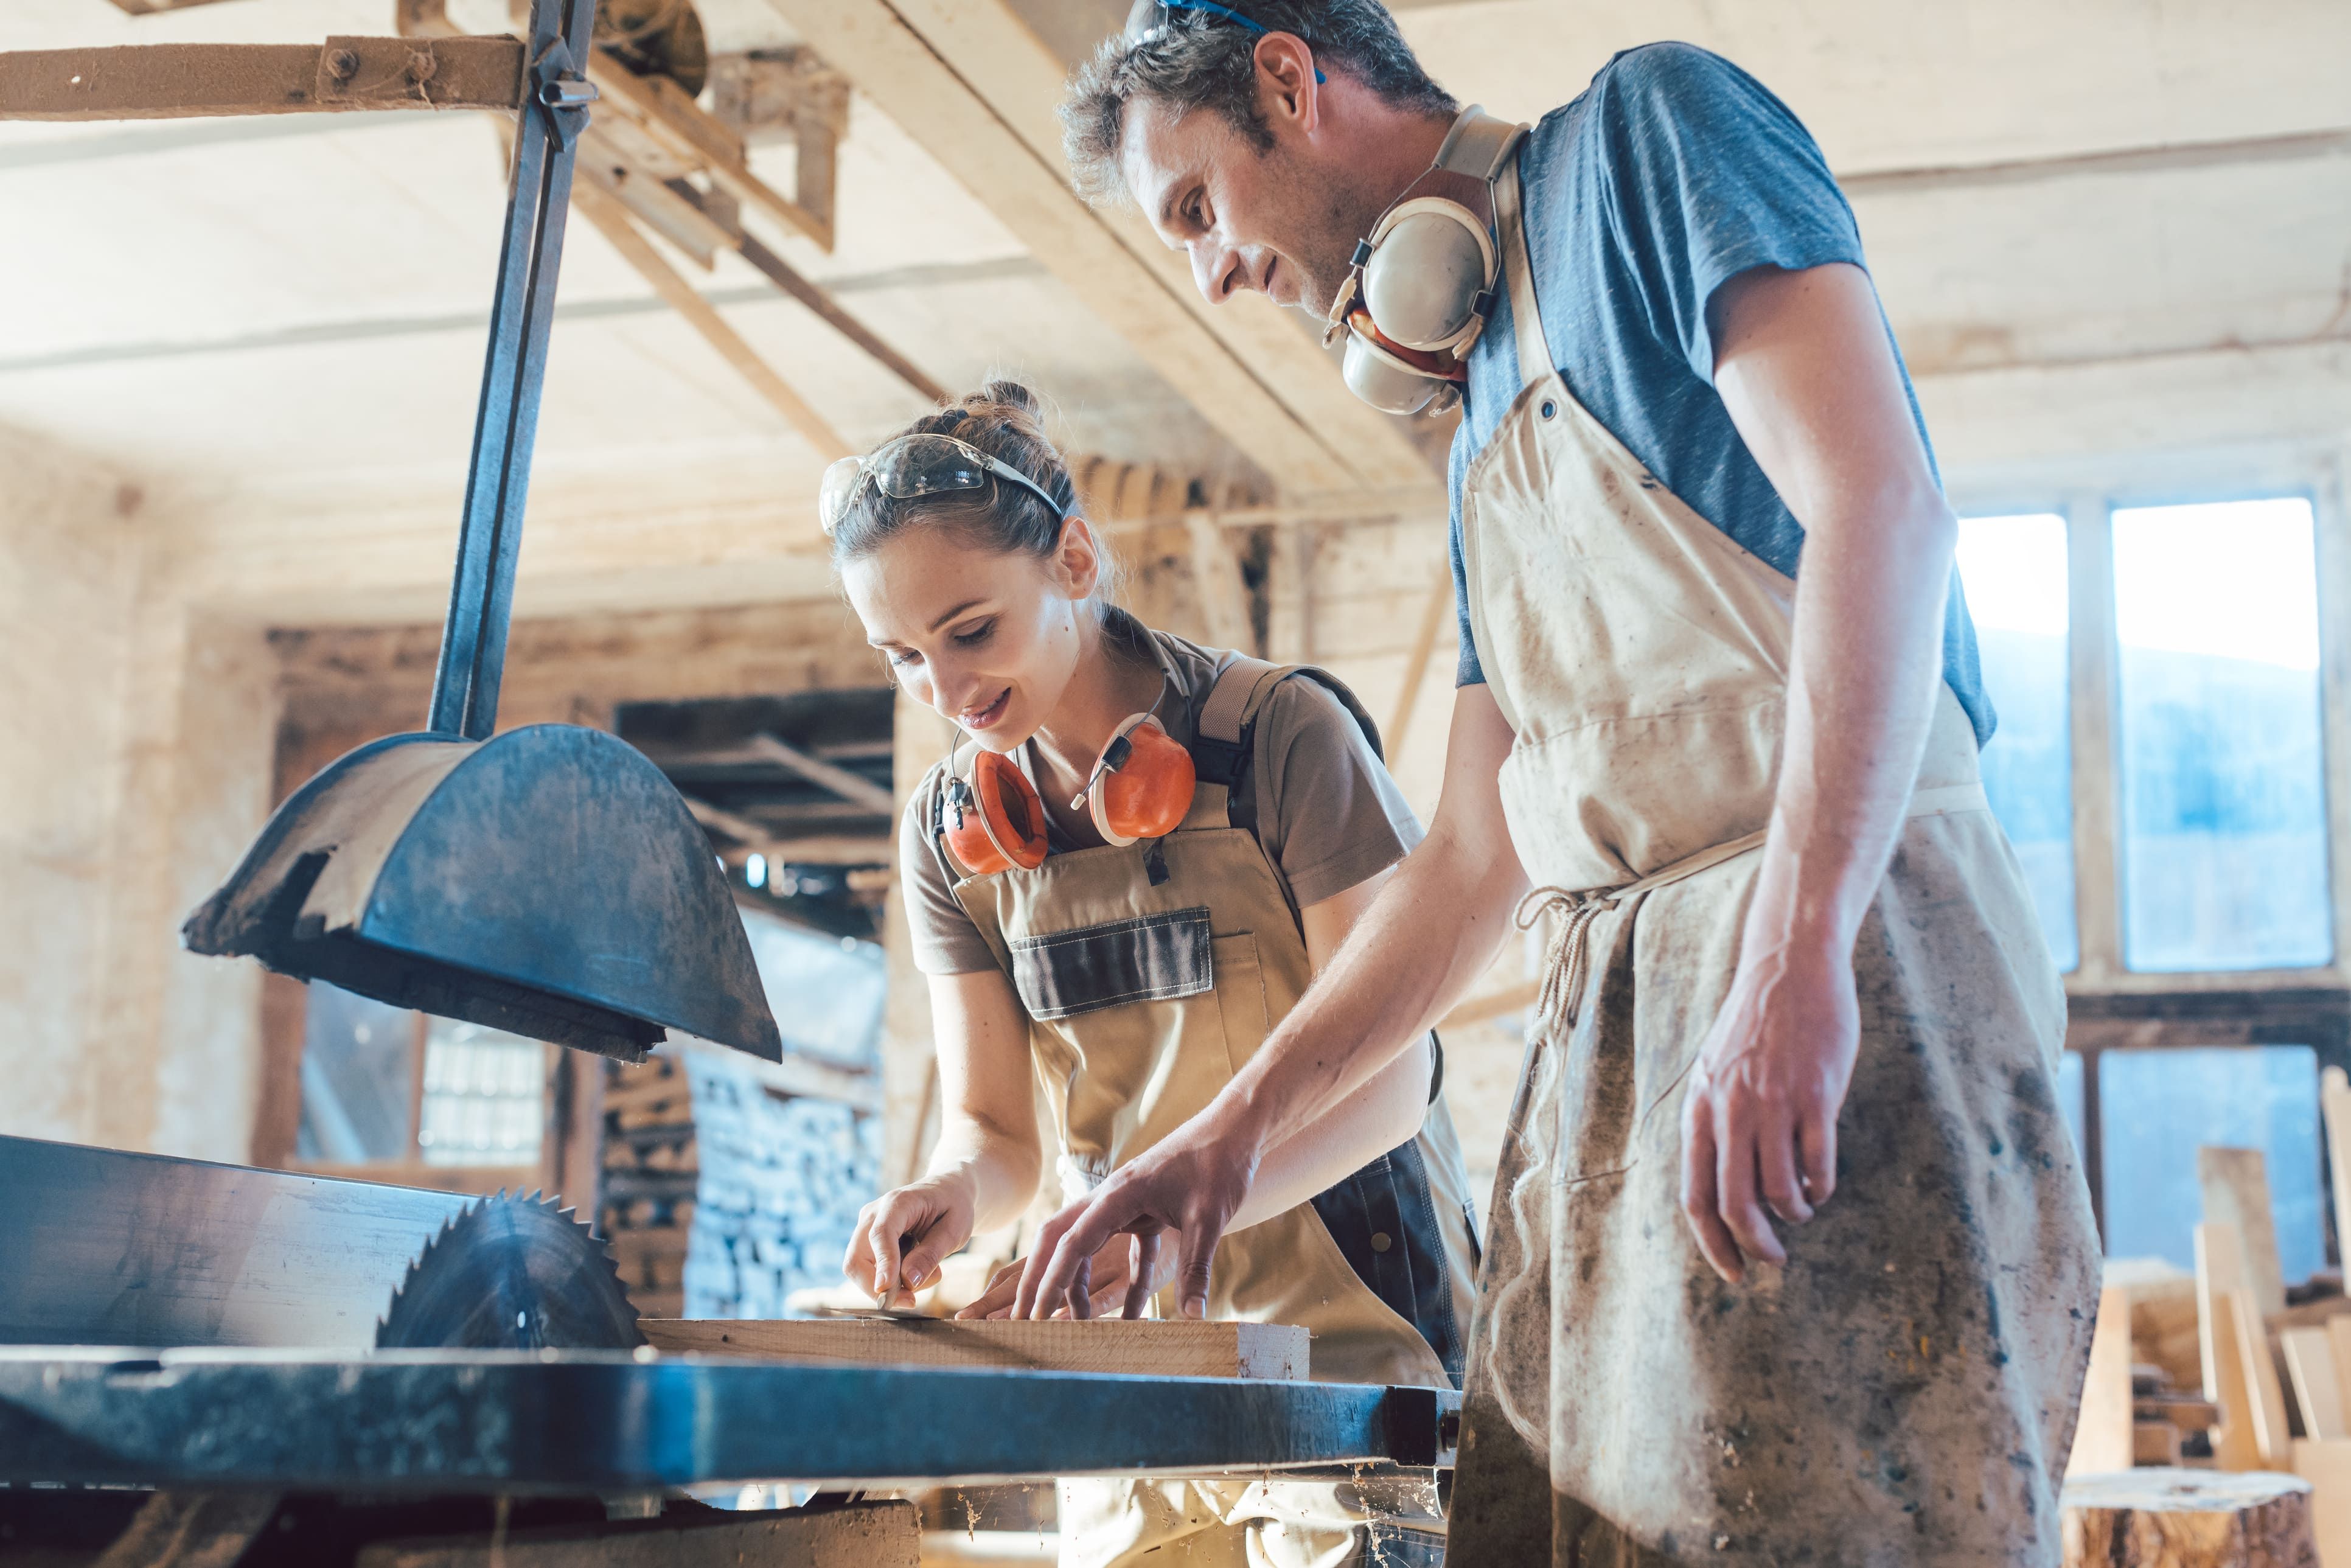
point(1289, 86)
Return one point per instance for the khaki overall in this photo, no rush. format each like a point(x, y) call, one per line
point(1150, 973)
point(1904, 1390)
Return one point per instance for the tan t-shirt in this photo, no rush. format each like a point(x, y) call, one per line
point(1328, 813)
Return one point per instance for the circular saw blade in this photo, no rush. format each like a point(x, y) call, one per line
point(511, 1273)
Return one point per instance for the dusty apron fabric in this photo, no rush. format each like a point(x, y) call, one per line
point(1150, 973)
point(1903, 1391)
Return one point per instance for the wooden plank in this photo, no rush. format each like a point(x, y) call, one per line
point(2155, 1443)
point(1146, 1348)
point(2326, 1464)
point(1433, 616)
point(2102, 1439)
point(917, 87)
point(2338, 1339)
point(853, 787)
point(2335, 1109)
point(2311, 1367)
point(613, 221)
point(2090, 605)
point(2266, 1397)
point(2237, 1192)
point(179, 81)
point(856, 1535)
point(1008, 68)
point(2220, 1270)
point(665, 111)
point(1224, 598)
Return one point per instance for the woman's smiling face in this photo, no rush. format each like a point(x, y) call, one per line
point(988, 637)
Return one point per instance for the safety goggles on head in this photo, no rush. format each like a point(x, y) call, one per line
point(916, 466)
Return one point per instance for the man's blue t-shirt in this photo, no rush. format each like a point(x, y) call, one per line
point(1674, 171)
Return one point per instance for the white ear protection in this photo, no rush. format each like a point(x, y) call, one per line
point(1421, 286)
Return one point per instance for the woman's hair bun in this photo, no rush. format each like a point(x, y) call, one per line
point(1010, 394)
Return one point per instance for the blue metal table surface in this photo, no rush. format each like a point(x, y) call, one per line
point(597, 1421)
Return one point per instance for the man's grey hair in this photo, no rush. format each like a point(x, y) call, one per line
point(1194, 58)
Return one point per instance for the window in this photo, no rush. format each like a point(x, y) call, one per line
point(2157, 1106)
point(2013, 570)
point(485, 1096)
point(2223, 807)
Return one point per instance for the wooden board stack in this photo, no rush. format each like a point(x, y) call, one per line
point(2274, 1379)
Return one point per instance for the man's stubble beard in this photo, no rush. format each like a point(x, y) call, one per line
point(1333, 216)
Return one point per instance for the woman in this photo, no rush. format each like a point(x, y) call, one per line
point(1132, 863)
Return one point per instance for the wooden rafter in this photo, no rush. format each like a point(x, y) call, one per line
point(914, 83)
point(1001, 60)
point(613, 221)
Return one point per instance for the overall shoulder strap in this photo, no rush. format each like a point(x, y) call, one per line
point(1225, 738)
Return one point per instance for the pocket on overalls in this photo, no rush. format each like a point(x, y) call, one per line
point(1153, 958)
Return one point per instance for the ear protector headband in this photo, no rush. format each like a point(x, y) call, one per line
point(1420, 285)
point(1140, 788)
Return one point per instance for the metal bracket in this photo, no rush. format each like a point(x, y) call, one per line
point(561, 92)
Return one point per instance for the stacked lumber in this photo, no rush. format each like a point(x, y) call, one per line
point(782, 1178)
point(652, 1169)
point(2218, 1368)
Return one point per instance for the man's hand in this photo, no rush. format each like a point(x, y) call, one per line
point(1191, 1182)
point(1112, 1283)
point(1759, 1119)
point(903, 1234)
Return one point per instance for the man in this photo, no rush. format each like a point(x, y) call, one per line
point(1793, 973)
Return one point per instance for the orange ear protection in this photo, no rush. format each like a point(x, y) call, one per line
point(1140, 788)
point(994, 820)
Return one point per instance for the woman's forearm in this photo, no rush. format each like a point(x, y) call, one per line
point(997, 1168)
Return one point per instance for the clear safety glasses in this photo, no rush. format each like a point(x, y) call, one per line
point(916, 466)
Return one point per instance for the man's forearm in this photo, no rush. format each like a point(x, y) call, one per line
point(1866, 666)
point(1433, 930)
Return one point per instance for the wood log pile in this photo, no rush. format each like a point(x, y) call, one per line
point(782, 1178)
point(652, 1167)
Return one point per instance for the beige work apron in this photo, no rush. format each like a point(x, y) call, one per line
point(1904, 1390)
point(1152, 973)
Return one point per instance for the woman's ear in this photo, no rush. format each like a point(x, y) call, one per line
point(1077, 560)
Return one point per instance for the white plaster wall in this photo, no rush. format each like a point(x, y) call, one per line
point(135, 749)
point(67, 544)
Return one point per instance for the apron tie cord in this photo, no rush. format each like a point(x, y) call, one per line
point(1567, 957)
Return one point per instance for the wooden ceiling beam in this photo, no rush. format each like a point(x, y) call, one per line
point(908, 79)
point(183, 81)
point(1005, 64)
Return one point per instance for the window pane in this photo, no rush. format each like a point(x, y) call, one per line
point(2013, 569)
point(2224, 822)
point(485, 1096)
point(2156, 1106)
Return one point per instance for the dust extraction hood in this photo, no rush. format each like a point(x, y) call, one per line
point(549, 881)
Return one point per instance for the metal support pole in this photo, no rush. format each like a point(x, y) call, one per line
point(481, 598)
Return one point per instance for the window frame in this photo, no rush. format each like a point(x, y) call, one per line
point(2109, 1005)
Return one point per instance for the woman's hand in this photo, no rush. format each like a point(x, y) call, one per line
point(901, 1236)
point(1110, 1282)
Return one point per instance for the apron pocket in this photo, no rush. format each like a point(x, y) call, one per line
point(1156, 957)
